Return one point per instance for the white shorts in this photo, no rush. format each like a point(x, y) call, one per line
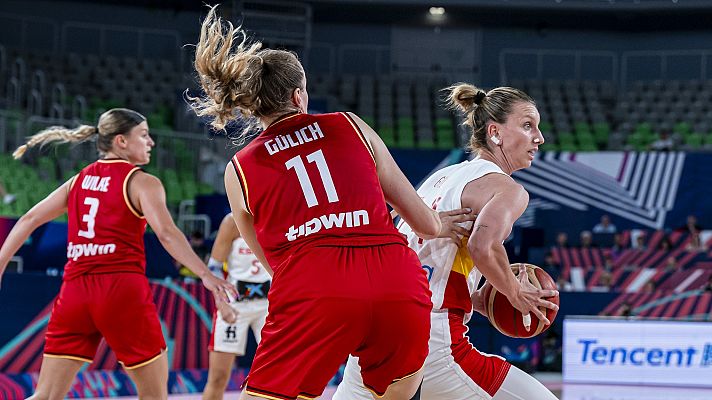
point(229, 338)
point(443, 377)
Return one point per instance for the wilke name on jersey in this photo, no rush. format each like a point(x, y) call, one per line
point(96, 183)
point(348, 219)
point(75, 251)
point(300, 136)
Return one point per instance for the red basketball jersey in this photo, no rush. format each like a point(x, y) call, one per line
point(105, 231)
point(312, 180)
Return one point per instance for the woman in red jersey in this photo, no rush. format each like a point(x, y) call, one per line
point(309, 196)
point(105, 292)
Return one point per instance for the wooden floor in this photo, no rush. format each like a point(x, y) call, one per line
point(562, 390)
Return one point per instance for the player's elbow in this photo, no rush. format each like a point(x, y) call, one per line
point(31, 219)
point(165, 234)
point(480, 250)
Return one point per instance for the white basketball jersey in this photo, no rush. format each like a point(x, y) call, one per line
point(450, 269)
point(242, 265)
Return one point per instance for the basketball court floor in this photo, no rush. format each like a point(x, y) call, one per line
point(563, 391)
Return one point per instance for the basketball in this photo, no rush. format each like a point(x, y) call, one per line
point(507, 319)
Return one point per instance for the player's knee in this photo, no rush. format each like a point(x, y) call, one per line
point(416, 396)
point(218, 379)
point(152, 392)
point(404, 390)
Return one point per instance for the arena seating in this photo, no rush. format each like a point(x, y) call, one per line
point(632, 268)
point(408, 112)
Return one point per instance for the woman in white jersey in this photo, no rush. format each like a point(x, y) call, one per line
point(506, 137)
point(232, 321)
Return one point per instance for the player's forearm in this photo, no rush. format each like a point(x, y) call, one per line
point(493, 263)
point(425, 222)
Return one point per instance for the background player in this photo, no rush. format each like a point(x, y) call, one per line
point(233, 321)
point(309, 196)
point(104, 291)
point(506, 138)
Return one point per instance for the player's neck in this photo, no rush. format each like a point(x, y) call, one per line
point(498, 158)
point(266, 122)
point(110, 155)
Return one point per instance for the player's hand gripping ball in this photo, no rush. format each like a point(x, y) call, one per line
point(509, 320)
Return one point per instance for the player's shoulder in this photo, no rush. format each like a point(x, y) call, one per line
point(143, 178)
point(505, 184)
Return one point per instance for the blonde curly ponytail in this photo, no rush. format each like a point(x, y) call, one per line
point(236, 74)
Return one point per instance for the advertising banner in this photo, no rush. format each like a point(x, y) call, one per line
point(671, 353)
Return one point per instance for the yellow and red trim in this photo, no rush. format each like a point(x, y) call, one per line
point(266, 394)
point(243, 182)
point(112, 161)
point(360, 135)
point(68, 357)
point(282, 119)
point(379, 395)
point(127, 200)
point(143, 363)
point(73, 181)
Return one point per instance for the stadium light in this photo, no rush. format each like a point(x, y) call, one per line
point(437, 11)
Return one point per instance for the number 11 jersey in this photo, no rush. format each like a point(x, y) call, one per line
point(311, 180)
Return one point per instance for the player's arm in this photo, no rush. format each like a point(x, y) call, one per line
point(492, 226)
point(46, 210)
point(150, 197)
point(398, 191)
point(243, 219)
point(227, 233)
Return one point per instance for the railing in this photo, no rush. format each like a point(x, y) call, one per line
point(376, 55)
point(646, 65)
point(142, 37)
point(195, 222)
point(663, 60)
point(20, 25)
point(16, 264)
point(205, 149)
point(508, 58)
point(3, 59)
point(13, 92)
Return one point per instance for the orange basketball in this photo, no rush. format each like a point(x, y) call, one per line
point(508, 319)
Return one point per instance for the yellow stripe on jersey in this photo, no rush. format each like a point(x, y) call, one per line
point(463, 263)
point(360, 135)
point(71, 185)
point(133, 210)
point(243, 182)
point(112, 161)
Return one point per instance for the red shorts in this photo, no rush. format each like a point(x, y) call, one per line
point(486, 370)
point(117, 306)
point(329, 302)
